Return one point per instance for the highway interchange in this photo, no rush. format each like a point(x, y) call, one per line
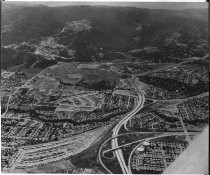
point(140, 104)
point(117, 150)
point(116, 129)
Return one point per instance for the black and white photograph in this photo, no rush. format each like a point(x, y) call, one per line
point(104, 87)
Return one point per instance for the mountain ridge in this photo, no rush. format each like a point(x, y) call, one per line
point(113, 29)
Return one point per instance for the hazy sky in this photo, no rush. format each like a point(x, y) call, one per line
point(156, 5)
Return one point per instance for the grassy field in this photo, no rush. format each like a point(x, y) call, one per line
point(91, 75)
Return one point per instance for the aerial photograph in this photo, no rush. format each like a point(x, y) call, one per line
point(104, 87)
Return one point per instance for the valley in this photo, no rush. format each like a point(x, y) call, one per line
point(99, 89)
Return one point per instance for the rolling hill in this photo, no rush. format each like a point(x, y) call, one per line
point(176, 33)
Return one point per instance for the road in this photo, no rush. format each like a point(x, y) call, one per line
point(10, 97)
point(114, 142)
point(180, 99)
point(139, 106)
point(148, 139)
point(161, 134)
point(185, 130)
point(24, 85)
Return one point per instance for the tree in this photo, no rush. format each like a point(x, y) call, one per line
point(83, 50)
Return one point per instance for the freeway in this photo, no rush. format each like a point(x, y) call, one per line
point(114, 143)
point(161, 135)
point(139, 106)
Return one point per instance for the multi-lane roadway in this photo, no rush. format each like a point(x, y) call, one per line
point(139, 106)
point(114, 142)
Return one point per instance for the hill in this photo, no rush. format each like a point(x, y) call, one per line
point(176, 33)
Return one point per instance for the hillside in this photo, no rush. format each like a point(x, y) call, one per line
point(111, 29)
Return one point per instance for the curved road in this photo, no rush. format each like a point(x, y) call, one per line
point(148, 139)
point(23, 86)
point(114, 143)
point(140, 105)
